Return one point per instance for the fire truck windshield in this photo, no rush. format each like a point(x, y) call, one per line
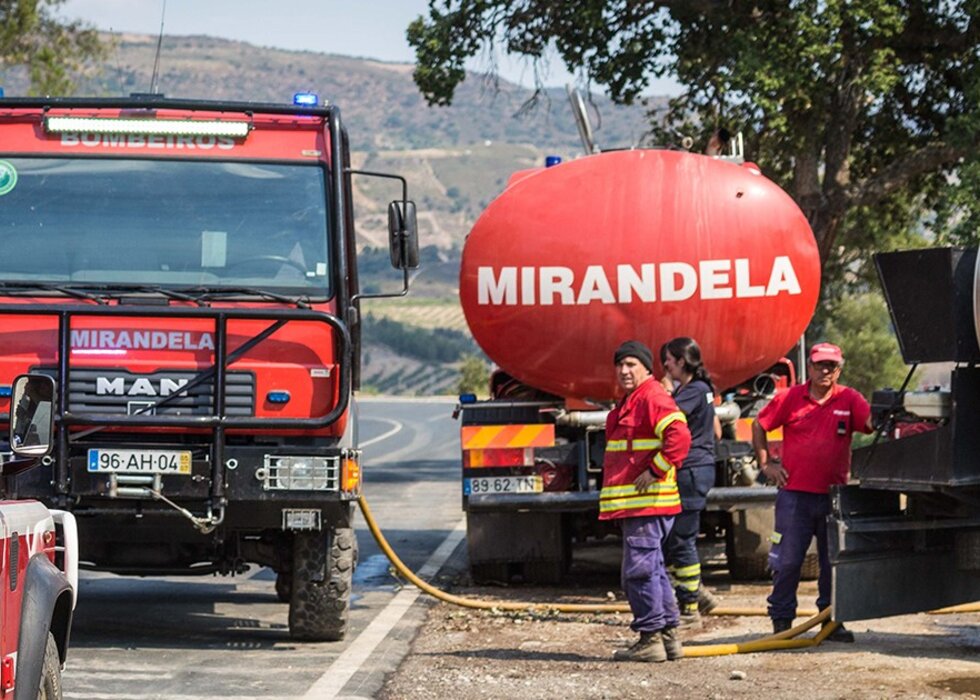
point(166, 223)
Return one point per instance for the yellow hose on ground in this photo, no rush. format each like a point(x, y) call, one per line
point(775, 642)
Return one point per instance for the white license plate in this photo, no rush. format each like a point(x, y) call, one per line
point(140, 461)
point(502, 484)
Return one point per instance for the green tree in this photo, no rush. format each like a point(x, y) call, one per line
point(53, 50)
point(861, 326)
point(474, 376)
point(847, 104)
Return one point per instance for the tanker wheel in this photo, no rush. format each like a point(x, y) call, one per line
point(50, 686)
point(493, 572)
point(811, 567)
point(323, 568)
point(968, 551)
point(545, 571)
point(752, 567)
point(284, 586)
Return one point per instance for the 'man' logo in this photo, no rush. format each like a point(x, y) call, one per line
point(141, 386)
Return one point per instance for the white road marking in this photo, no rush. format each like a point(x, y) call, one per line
point(350, 661)
point(384, 436)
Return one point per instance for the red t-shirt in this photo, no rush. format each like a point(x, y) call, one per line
point(816, 437)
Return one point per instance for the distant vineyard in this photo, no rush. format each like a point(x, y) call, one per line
point(414, 349)
point(427, 315)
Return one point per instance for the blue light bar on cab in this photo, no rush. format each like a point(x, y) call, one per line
point(306, 99)
point(5, 392)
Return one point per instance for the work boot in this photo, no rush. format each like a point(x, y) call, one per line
point(672, 643)
point(840, 634)
point(781, 624)
point(690, 617)
point(650, 647)
point(707, 601)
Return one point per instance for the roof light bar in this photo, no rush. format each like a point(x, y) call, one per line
point(306, 99)
point(146, 127)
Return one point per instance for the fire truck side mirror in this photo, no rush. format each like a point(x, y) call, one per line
point(403, 235)
point(31, 415)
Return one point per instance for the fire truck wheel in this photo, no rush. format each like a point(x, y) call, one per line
point(323, 567)
point(284, 586)
point(50, 688)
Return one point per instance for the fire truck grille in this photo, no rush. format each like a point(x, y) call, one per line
point(118, 392)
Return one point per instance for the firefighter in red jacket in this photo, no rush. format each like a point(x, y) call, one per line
point(646, 441)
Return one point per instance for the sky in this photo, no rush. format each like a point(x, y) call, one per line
point(362, 28)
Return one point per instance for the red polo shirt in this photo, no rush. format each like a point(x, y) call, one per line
point(816, 437)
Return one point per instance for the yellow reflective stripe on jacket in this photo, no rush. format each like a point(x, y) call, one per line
point(659, 495)
point(638, 502)
point(667, 420)
point(633, 445)
point(662, 462)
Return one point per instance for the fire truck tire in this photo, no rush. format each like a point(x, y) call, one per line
point(50, 687)
point(323, 567)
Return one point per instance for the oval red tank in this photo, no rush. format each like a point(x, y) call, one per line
point(570, 261)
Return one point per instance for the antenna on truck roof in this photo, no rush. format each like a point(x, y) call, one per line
point(156, 58)
point(581, 119)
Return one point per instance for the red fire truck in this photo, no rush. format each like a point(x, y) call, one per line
point(38, 562)
point(186, 273)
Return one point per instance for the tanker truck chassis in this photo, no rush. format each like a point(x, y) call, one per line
point(532, 472)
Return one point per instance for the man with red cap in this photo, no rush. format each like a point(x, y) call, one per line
point(647, 440)
point(818, 419)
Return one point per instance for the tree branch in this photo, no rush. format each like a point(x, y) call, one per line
point(896, 174)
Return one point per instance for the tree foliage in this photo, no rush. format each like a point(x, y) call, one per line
point(474, 376)
point(861, 326)
point(53, 50)
point(848, 104)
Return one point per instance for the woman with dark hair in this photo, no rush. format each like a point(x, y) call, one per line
point(688, 381)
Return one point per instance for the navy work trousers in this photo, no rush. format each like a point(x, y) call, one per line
point(800, 516)
point(645, 579)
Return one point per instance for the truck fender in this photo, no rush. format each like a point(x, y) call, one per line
point(47, 607)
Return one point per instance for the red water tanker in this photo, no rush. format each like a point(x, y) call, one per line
point(571, 260)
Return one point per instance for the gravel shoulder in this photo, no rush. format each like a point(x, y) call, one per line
point(470, 654)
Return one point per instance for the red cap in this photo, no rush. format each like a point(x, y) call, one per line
point(826, 352)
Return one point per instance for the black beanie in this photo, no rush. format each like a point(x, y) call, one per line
point(634, 348)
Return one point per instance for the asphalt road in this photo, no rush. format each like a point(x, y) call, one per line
point(212, 637)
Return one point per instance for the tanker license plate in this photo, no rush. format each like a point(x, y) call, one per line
point(140, 461)
point(502, 484)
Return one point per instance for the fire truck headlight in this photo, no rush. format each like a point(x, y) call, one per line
point(299, 473)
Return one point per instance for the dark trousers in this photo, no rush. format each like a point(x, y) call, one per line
point(644, 575)
point(800, 517)
point(682, 554)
